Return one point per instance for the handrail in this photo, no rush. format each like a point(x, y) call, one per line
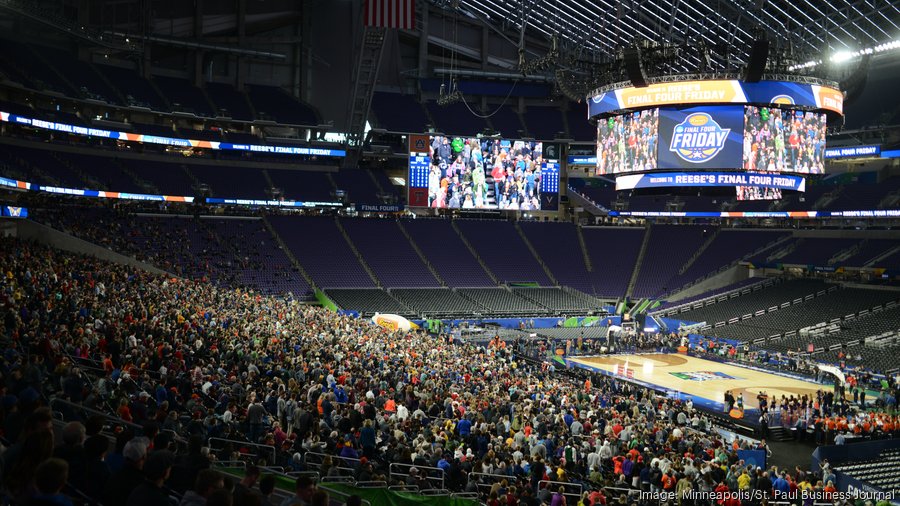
point(238, 443)
point(398, 466)
point(348, 460)
point(566, 486)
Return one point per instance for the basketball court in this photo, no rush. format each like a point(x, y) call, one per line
point(704, 381)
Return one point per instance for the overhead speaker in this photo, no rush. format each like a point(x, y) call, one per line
point(756, 67)
point(634, 68)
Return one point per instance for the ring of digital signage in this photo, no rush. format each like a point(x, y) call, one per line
point(785, 94)
point(712, 137)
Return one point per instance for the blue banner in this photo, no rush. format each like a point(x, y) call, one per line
point(853, 152)
point(15, 212)
point(755, 458)
point(701, 137)
point(379, 208)
point(692, 179)
point(583, 160)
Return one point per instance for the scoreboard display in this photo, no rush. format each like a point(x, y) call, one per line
point(419, 168)
point(753, 137)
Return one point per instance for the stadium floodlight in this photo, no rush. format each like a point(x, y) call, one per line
point(842, 56)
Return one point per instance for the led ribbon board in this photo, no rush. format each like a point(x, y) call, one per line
point(167, 141)
point(782, 93)
point(710, 179)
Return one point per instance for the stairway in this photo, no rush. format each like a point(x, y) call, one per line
point(882, 256)
point(290, 254)
point(637, 264)
point(699, 252)
point(422, 256)
point(779, 433)
point(364, 77)
point(474, 253)
point(359, 257)
point(584, 250)
point(534, 253)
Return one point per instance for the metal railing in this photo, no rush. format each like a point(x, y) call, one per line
point(265, 450)
point(432, 475)
point(573, 490)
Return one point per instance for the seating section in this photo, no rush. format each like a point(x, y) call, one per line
point(226, 252)
point(327, 259)
point(672, 308)
point(303, 185)
point(397, 112)
point(813, 251)
point(558, 247)
point(49, 69)
point(388, 253)
point(367, 302)
point(503, 251)
point(880, 471)
point(613, 253)
point(868, 251)
point(834, 304)
point(455, 119)
point(500, 300)
point(434, 303)
point(558, 299)
point(670, 247)
point(506, 121)
point(727, 247)
point(869, 340)
point(447, 253)
point(722, 311)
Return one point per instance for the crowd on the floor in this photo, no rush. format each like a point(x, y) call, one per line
point(181, 365)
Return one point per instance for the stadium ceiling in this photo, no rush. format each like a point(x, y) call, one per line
point(601, 28)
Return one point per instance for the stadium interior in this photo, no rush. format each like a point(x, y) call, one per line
point(450, 252)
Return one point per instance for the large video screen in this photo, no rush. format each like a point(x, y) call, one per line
point(472, 173)
point(777, 140)
point(706, 137)
point(627, 143)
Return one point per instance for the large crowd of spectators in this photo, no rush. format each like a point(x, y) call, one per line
point(196, 375)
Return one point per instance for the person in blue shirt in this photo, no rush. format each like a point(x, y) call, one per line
point(464, 427)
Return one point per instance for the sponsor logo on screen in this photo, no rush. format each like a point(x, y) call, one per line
point(702, 376)
point(698, 138)
point(598, 98)
point(782, 100)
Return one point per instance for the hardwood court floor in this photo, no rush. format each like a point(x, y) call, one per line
point(706, 379)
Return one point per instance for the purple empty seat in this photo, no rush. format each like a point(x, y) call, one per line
point(321, 249)
point(504, 252)
point(446, 252)
point(670, 247)
point(303, 185)
point(276, 104)
point(388, 253)
point(398, 113)
point(613, 252)
point(229, 102)
point(558, 247)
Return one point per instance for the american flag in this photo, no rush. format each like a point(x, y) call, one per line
point(391, 14)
